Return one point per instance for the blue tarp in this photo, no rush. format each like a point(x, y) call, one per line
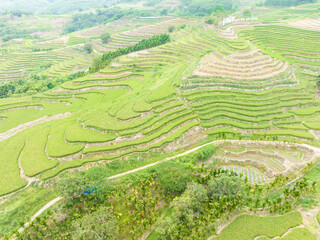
point(90, 190)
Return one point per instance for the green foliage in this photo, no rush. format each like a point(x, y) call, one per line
point(101, 224)
point(209, 21)
point(171, 29)
point(182, 26)
point(105, 37)
point(186, 211)
point(73, 185)
point(225, 185)
point(86, 20)
point(88, 48)
point(199, 156)
point(206, 7)
point(246, 13)
point(8, 32)
point(174, 177)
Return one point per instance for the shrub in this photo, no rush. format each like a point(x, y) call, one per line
point(105, 37)
point(88, 48)
point(209, 21)
point(171, 29)
point(246, 13)
point(174, 177)
point(101, 224)
point(182, 26)
point(225, 185)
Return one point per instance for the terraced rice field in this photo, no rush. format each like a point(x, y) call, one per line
point(131, 37)
point(230, 30)
point(152, 99)
point(310, 24)
point(65, 54)
point(272, 160)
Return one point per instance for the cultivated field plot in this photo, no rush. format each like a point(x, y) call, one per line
point(230, 31)
point(310, 24)
point(144, 102)
point(250, 66)
point(131, 37)
point(249, 227)
point(56, 56)
point(253, 175)
point(272, 159)
point(286, 43)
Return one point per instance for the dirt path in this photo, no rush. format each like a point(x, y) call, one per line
point(22, 127)
point(309, 219)
point(48, 205)
point(94, 50)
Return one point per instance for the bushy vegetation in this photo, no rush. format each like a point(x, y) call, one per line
point(8, 32)
point(205, 7)
point(172, 176)
point(86, 20)
point(105, 37)
point(100, 224)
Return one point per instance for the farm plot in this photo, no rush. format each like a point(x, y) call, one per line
point(272, 160)
point(310, 24)
point(131, 37)
point(230, 31)
point(243, 69)
point(252, 226)
point(253, 175)
point(286, 43)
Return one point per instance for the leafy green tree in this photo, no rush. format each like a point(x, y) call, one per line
point(73, 185)
point(246, 13)
point(101, 224)
point(105, 37)
point(225, 185)
point(209, 21)
point(171, 29)
point(88, 48)
point(174, 177)
point(318, 82)
point(97, 63)
point(186, 210)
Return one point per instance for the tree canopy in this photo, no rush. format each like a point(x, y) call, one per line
point(173, 176)
point(101, 224)
point(225, 185)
